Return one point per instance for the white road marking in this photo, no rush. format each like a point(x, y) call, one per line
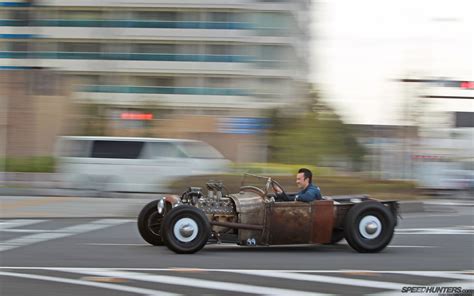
point(59, 233)
point(26, 230)
point(7, 224)
point(463, 284)
point(423, 247)
point(466, 282)
point(190, 282)
point(323, 279)
point(410, 272)
point(441, 230)
point(418, 215)
point(456, 275)
point(109, 244)
point(449, 203)
point(30, 239)
point(464, 278)
point(116, 287)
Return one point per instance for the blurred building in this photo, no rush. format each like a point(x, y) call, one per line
point(444, 152)
point(436, 147)
point(229, 56)
point(389, 150)
point(226, 59)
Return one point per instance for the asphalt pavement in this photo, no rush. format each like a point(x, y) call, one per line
point(78, 246)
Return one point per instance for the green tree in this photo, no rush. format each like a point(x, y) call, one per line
point(316, 134)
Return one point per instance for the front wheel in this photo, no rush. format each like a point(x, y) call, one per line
point(185, 229)
point(369, 227)
point(149, 224)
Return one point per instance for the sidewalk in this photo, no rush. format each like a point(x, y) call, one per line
point(70, 207)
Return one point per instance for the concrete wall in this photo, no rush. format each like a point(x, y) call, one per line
point(35, 110)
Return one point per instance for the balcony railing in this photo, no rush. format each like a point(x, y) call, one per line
point(164, 90)
point(127, 56)
point(130, 24)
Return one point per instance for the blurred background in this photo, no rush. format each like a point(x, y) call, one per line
point(374, 96)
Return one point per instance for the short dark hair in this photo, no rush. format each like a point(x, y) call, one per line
point(307, 174)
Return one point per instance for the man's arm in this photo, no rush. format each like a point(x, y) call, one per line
point(284, 196)
point(313, 193)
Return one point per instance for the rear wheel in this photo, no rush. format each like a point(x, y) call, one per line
point(369, 227)
point(149, 224)
point(185, 229)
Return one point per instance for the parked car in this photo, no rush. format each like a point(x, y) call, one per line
point(186, 223)
point(133, 164)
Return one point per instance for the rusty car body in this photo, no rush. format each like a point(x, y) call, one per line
point(188, 222)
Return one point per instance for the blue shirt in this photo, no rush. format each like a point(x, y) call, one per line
point(308, 194)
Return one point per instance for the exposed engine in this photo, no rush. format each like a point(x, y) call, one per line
point(214, 204)
point(217, 206)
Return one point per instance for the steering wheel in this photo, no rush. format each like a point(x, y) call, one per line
point(274, 184)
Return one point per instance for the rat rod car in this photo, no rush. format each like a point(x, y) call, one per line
point(186, 223)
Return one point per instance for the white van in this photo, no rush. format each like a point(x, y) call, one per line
point(133, 164)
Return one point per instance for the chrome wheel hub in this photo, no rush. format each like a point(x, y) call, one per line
point(185, 229)
point(370, 227)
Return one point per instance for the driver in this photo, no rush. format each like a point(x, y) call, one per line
point(308, 193)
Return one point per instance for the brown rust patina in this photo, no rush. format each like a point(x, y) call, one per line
point(253, 217)
point(276, 223)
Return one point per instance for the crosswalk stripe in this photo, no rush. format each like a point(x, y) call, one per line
point(463, 278)
point(59, 233)
point(25, 230)
point(465, 285)
point(190, 282)
point(323, 279)
point(109, 286)
point(456, 276)
point(30, 239)
point(7, 224)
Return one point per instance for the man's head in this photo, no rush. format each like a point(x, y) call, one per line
point(303, 178)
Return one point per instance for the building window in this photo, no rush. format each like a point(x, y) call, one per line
point(80, 15)
point(219, 49)
point(154, 48)
point(190, 16)
point(218, 82)
point(20, 14)
point(18, 46)
point(156, 15)
point(81, 47)
point(221, 16)
point(83, 80)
